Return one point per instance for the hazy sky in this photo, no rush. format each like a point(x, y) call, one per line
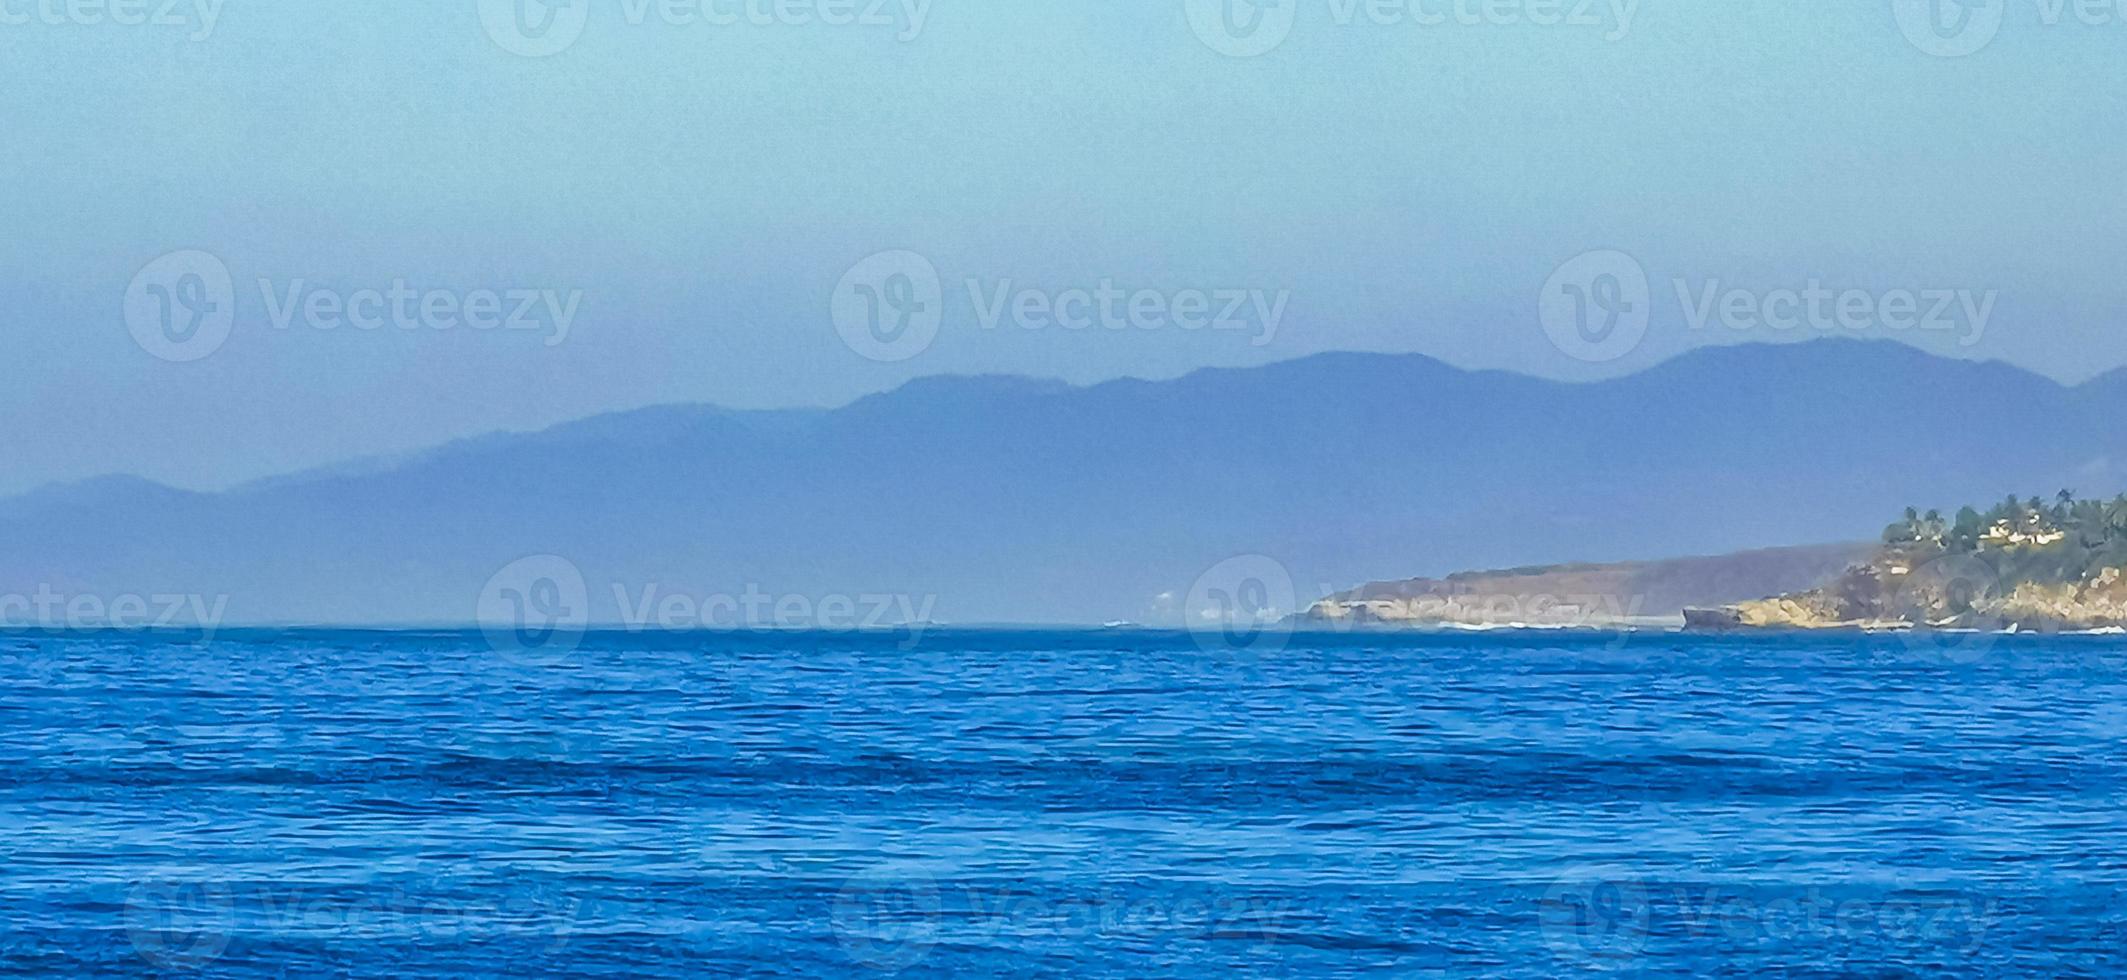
point(696, 201)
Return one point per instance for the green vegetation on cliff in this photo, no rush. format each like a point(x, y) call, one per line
point(2064, 541)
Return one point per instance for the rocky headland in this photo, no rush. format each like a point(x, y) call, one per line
point(2020, 566)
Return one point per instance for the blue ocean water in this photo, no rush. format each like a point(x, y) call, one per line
point(1069, 804)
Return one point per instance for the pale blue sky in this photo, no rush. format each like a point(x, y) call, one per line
point(703, 188)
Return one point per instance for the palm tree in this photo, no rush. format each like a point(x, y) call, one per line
point(1970, 526)
point(1905, 530)
point(2088, 517)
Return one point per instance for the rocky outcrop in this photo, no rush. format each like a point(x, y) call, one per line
point(1928, 588)
point(1809, 610)
point(2092, 605)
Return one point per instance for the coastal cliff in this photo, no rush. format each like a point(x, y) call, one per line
point(1888, 594)
point(2024, 565)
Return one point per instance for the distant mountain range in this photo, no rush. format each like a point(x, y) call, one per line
point(1012, 500)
